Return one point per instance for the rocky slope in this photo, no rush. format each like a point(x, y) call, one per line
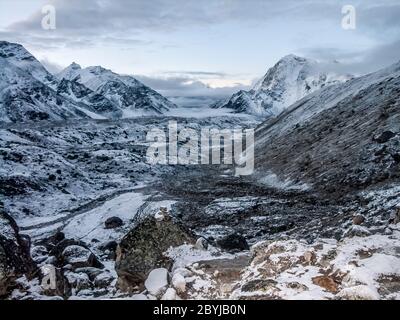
point(291, 79)
point(342, 138)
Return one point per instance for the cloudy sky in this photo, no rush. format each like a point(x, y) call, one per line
point(203, 47)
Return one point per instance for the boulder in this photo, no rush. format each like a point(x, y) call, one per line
point(113, 223)
point(157, 282)
point(395, 216)
point(79, 257)
point(357, 231)
point(358, 220)
point(179, 282)
point(233, 242)
point(15, 259)
point(143, 248)
point(385, 136)
point(170, 295)
point(201, 244)
point(103, 280)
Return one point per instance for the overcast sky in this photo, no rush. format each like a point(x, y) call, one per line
point(203, 47)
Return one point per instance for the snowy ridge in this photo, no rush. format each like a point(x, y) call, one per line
point(291, 79)
point(28, 92)
point(127, 93)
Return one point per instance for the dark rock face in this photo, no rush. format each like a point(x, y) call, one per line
point(385, 137)
point(233, 242)
point(113, 223)
point(143, 248)
point(15, 259)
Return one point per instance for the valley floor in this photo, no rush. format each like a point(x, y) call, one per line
point(73, 178)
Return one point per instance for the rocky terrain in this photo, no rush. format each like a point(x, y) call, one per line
point(83, 215)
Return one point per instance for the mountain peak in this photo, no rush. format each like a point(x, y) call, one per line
point(288, 81)
point(75, 66)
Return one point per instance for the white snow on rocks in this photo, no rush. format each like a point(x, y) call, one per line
point(157, 281)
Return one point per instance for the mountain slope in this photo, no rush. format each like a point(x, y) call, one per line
point(24, 98)
point(130, 95)
point(291, 79)
point(342, 138)
point(28, 92)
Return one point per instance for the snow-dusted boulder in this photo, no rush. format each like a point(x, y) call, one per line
point(179, 282)
point(79, 257)
point(143, 249)
point(361, 292)
point(170, 295)
point(157, 281)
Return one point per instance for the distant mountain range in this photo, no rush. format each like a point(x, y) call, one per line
point(28, 92)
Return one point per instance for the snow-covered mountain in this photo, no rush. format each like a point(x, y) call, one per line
point(28, 92)
point(128, 94)
point(291, 79)
point(345, 136)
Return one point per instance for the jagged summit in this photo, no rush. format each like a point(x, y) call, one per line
point(17, 55)
point(291, 79)
point(129, 94)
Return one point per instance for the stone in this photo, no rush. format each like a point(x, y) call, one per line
point(157, 282)
point(170, 295)
point(113, 223)
point(357, 231)
point(361, 292)
point(179, 283)
point(259, 285)
point(143, 248)
point(358, 220)
point(103, 280)
point(201, 244)
point(233, 242)
point(15, 258)
point(385, 136)
point(326, 282)
point(79, 257)
point(395, 216)
point(90, 271)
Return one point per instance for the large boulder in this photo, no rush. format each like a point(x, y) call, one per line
point(79, 257)
point(143, 248)
point(15, 259)
point(233, 242)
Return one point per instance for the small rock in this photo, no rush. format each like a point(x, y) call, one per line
point(113, 223)
point(79, 257)
point(183, 272)
point(90, 271)
point(170, 294)
point(357, 231)
point(395, 216)
point(326, 282)
point(310, 257)
point(103, 280)
point(157, 282)
point(385, 137)
point(79, 281)
point(179, 283)
point(361, 292)
point(388, 232)
point(358, 220)
point(201, 244)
